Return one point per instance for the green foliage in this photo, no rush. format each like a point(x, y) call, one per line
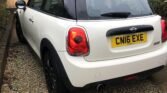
point(3, 15)
point(160, 7)
point(3, 9)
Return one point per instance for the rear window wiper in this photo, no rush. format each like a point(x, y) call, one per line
point(117, 14)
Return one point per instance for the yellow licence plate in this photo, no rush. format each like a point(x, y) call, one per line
point(128, 39)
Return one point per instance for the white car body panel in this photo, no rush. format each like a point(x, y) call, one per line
point(54, 29)
point(100, 45)
point(82, 71)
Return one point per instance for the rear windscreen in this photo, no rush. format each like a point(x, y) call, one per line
point(112, 9)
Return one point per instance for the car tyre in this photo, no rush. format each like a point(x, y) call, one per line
point(19, 32)
point(51, 69)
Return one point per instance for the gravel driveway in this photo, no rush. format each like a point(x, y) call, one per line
point(24, 74)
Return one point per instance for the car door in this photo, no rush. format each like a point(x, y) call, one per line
point(31, 24)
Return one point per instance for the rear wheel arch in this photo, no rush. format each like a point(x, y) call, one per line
point(43, 47)
point(47, 45)
point(48, 49)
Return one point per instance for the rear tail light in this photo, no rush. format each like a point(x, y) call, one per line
point(164, 32)
point(77, 44)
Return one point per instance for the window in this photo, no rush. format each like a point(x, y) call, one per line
point(95, 9)
point(56, 7)
point(36, 4)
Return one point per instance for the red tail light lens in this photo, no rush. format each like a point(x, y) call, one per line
point(77, 42)
point(164, 32)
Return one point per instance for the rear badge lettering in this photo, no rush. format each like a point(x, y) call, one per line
point(156, 43)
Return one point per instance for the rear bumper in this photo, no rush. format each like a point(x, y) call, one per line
point(81, 73)
point(126, 79)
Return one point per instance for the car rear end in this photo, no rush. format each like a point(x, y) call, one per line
point(113, 39)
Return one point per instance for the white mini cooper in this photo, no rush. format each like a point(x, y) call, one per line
point(86, 43)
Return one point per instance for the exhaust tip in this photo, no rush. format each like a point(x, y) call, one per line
point(100, 88)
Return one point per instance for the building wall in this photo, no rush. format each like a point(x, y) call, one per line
point(11, 3)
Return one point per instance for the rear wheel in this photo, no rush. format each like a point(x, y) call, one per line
point(19, 32)
point(53, 79)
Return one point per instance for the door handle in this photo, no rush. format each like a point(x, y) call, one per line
point(31, 20)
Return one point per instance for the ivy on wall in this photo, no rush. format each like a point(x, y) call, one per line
point(160, 7)
point(3, 16)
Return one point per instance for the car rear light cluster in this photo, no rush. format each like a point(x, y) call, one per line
point(164, 30)
point(77, 44)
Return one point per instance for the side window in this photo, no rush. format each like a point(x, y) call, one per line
point(36, 4)
point(55, 7)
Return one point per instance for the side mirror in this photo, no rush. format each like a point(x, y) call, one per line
point(20, 4)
